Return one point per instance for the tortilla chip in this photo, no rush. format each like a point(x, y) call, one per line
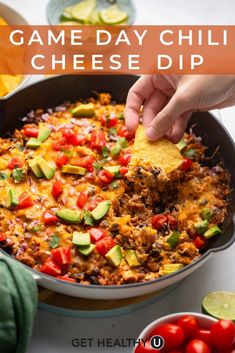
point(161, 154)
point(3, 22)
point(8, 83)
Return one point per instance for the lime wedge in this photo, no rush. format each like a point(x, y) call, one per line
point(70, 23)
point(220, 305)
point(66, 15)
point(95, 18)
point(83, 10)
point(113, 15)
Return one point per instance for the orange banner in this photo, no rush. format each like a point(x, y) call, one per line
point(117, 50)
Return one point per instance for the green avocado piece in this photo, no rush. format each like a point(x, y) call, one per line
point(86, 110)
point(115, 150)
point(214, 230)
point(167, 269)
point(69, 216)
point(101, 210)
point(33, 143)
point(201, 226)
point(43, 133)
point(114, 169)
point(131, 258)
point(206, 213)
point(87, 250)
point(73, 169)
point(33, 165)
point(114, 256)
point(12, 198)
point(173, 239)
point(181, 145)
point(81, 239)
point(47, 169)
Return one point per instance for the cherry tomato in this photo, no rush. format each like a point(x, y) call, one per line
point(73, 138)
point(49, 218)
point(223, 334)
point(61, 160)
point(186, 165)
point(175, 352)
point(62, 255)
point(15, 163)
point(97, 234)
point(145, 348)
point(60, 144)
point(2, 237)
point(172, 221)
point(173, 335)
point(158, 221)
point(124, 132)
point(82, 199)
point(31, 131)
point(67, 279)
point(197, 346)
point(124, 158)
point(97, 139)
point(203, 335)
point(189, 325)
point(199, 242)
point(50, 267)
point(123, 170)
point(109, 121)
point(57, 189)
point(25, 201)
point(104, 245)
point(86, 162)
point(106, 176)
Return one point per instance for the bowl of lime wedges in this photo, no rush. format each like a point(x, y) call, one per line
point(91, 12)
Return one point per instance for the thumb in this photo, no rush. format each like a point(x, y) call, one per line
point(164, 120)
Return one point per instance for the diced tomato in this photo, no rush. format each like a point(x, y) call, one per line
point(15, 163)
point(31, 131)
point(73, 138)
point(82, 199)
point(50, 267)
point(172, 221)
point(124, 132)
point(109, 121)
point(94, 203)
point(25, 201)
point(86, 162)
point(158, 221)
point(186, 165)
point(199, 242)
point(97, 234)
point(49, 218)
point(97, 139)
point(60, 144)
point(67, 279)
point(61, 160)
point(123, 170)
point(106, 176)
point(2, 237)
point(57, 189)
point(104, 245)
point(124, 158)
point(62, 255)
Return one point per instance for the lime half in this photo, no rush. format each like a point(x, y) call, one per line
point(113, 15)
point(83, 10)
point(220, 305)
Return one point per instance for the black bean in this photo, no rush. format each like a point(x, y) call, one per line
point(94, 280)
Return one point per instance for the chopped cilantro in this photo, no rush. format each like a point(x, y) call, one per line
point(112, 131)
point(105, 151)
point(36, 229)
point(67, 152)
point(114, 185)
point(3, 176)
point(54, 242)
point(18, 175)
point(97, 166)
point(88, 219)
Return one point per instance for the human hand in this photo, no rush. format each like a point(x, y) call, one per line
point(169, 101)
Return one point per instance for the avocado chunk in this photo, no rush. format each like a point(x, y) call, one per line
point(201, 226)
point(101, 210)
point(167, 269)
point(81, 239)
point(173, 239)
point(33, 143)
point(181, 145)
point(33, 165)
point(86, 110)
point(131, 258)
point(69, 216)
point(212, 231)
point(114, 170)
point(87, 250)
point(12, 198)
point(47, 169)
point(73, 169)
point(43, 133)
point(114, 256)
point(115, 150)
point(206, 213)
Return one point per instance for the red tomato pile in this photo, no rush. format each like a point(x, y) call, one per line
point(186, 336)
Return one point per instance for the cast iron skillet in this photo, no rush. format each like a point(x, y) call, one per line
point(54, 91)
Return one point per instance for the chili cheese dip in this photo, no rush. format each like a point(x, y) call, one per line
point(72, 209)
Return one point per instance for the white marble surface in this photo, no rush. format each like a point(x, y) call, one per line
point(53, 333)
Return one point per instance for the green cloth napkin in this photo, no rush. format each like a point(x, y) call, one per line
point(18, 303)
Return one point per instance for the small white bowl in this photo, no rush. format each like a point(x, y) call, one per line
point(204, 322)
